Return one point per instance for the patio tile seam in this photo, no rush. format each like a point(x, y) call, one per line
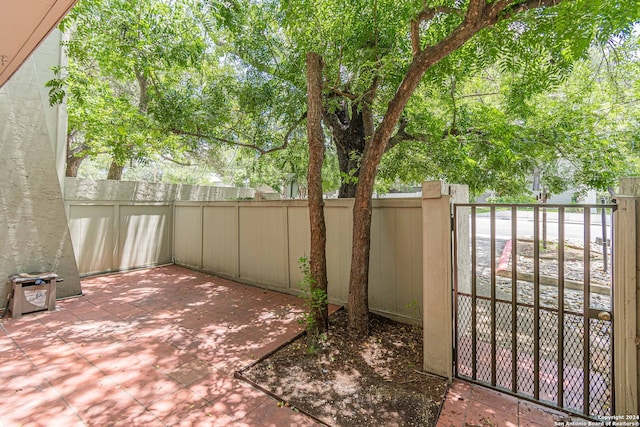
point(124, 390)
point(22, 350)
point(539, 411)
point(48, 383)
point(61, 396)
point(528, 413)
point(107, 377)
point(165, 376)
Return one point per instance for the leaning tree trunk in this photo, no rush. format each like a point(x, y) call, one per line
point(480, 14)
point(115, 171)
point(318, 256)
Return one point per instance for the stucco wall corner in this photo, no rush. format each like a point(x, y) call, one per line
point(34, 235)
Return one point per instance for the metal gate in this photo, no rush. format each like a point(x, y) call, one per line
point(533, 302)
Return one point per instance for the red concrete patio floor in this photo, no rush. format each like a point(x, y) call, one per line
point(158, 347)
point(470, 405)
point(150, 347)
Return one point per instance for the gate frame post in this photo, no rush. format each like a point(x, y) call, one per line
point(437, 289)
point(625, 297)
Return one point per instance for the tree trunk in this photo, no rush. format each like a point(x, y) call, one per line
point(318, 257)
point(143, 84)
point(73, 164)
point(479, 15)
point(349, 154)
point(74, 154)
point(348, 131)
point(115, 171)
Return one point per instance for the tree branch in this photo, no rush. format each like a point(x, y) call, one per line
point(427, 14)
point(501, 4)
point(367, 112)
point(335, 123)
point(344, 94)
point(505, 9)
point(143, 100)
point(77, 151)
point(402, 135)
point(415, 37)
point(259, 149)
point(293, 127)
point(476, 95)
point(169, 159)
point(476, 9)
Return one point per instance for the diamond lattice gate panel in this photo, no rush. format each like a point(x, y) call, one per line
point(532, 302)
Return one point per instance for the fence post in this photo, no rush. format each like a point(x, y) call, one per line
point(437, 199)
point(625, 302)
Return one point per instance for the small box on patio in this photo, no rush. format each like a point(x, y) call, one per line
point(32, 292)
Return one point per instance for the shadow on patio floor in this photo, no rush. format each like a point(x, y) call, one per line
point(159, 347)
point(148, 347)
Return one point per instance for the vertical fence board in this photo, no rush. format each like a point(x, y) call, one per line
point(92, 235)
point(144, 235)
point(298, 237)
point(188, 236)
point(220, 240)
point(339, 235)
point(262, 245)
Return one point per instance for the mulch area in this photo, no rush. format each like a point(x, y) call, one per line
point(372, 382)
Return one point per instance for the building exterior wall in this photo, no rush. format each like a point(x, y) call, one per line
point(34, 235)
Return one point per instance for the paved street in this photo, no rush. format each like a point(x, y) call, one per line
point(573, 225)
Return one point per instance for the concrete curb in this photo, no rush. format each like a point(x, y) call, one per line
point(503, 271)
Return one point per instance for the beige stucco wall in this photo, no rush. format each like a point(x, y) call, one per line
point(34, 235)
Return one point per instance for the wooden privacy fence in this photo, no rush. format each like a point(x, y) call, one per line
point(120, 235)
point(117, 226)
point(261, 242)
